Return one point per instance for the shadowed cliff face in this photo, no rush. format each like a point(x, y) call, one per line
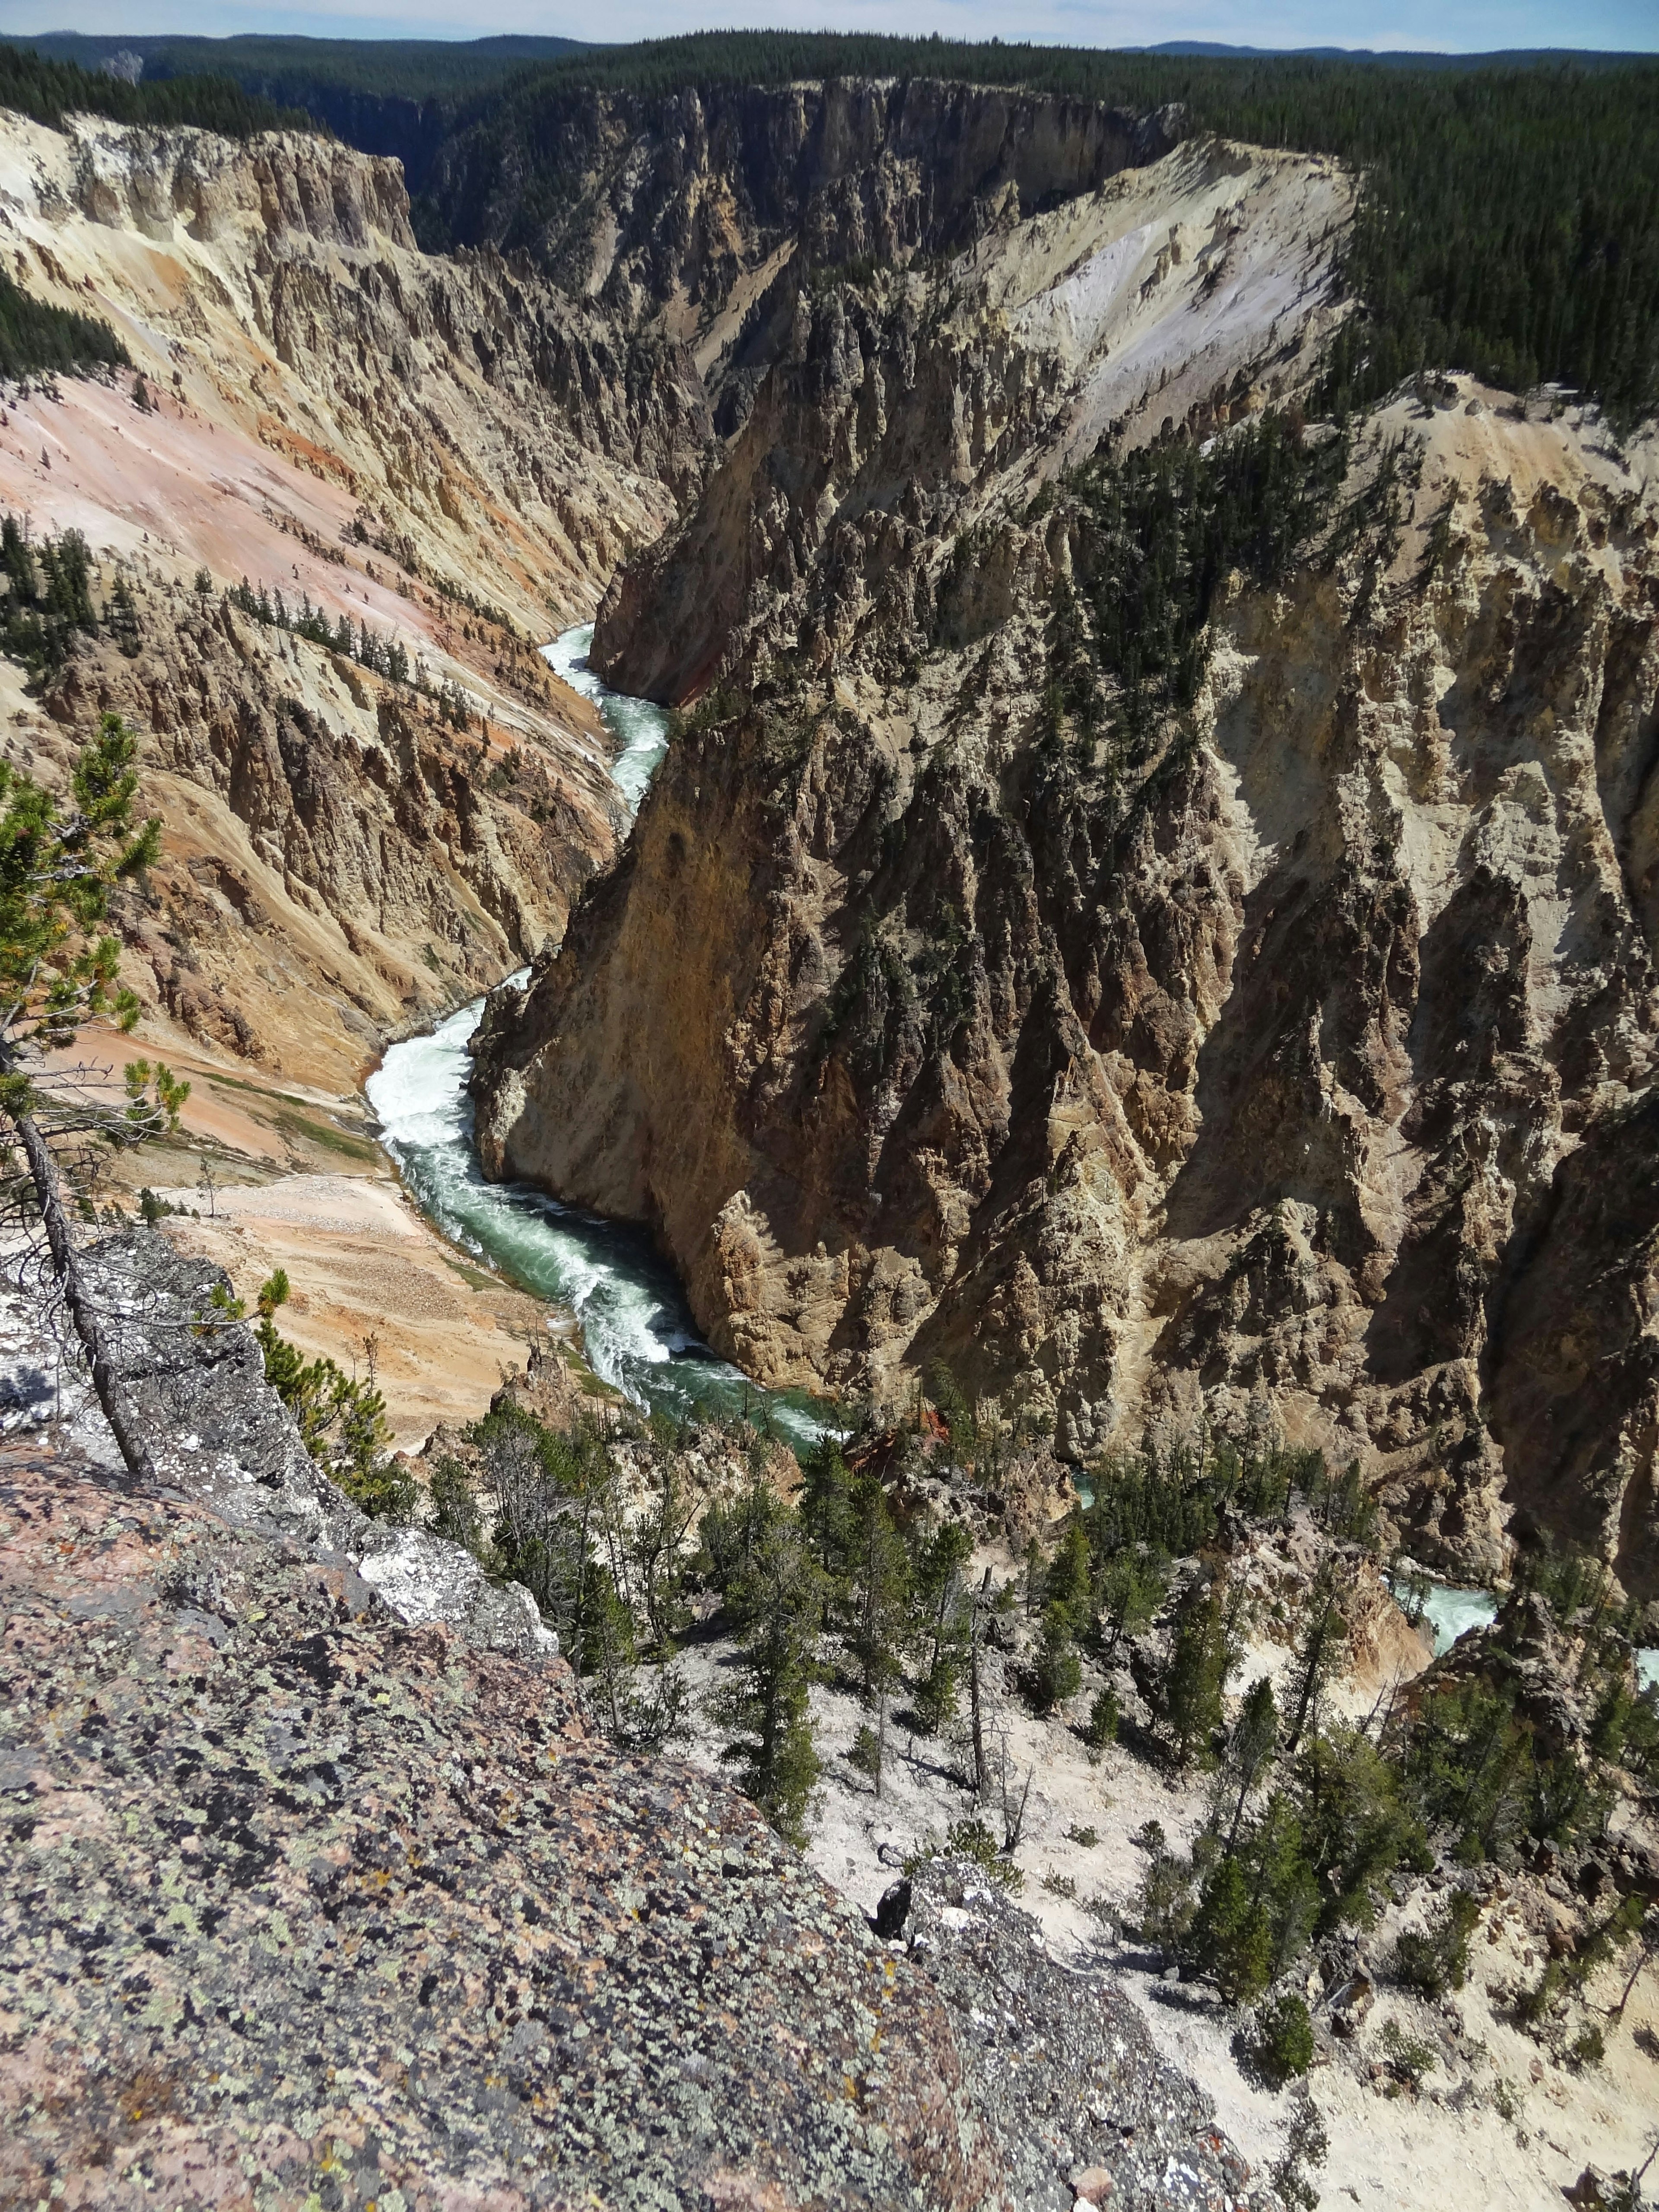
point(903, 411)
point(690, 205)
point(1222, 1067)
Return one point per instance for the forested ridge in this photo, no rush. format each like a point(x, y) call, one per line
point(1509, 224)
point(49, 90)
point(285, 68)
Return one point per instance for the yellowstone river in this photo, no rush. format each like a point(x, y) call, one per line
point(637, 1332)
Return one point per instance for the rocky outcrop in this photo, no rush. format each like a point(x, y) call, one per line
point(682, 206)
point(315, 1900)
point(1234, 1067)
point(221, 1441)
point(901, 411)
point(336, 863)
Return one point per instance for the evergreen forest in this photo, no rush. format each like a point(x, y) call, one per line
point(1509, 225)
point(37, 338)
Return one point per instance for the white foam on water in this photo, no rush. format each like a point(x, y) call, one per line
point(637, 1332)
point(1448, 1613)
point(1451, 1613)
point(1454, 1613)
point(639, 728)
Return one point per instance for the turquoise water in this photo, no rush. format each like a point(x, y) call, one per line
point(640, 728)
point(637, 1331)
point(1452, 1612)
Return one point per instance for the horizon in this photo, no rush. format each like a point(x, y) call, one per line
point(1293, 27)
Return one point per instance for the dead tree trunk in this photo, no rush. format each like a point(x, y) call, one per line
point(106, 1381)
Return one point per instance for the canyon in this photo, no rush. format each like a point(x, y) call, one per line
point(1142, 933)
point(1242, 1075)
point(793, 393)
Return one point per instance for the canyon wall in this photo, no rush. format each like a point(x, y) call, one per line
point(1289, 1062)
point(448, 456)
point(696, 210)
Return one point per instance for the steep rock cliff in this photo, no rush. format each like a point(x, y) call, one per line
point(1244, 1066)
point(903, 408)
point(686, 210)
point(337, 864)
point(447, 457)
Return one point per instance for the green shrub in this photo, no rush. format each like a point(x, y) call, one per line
point(1103, 1718)
point(454, 1508)
point(342, 1419)
point(1406, 2057)
point(1283, 2044)
point(1437, 1959)
point(971, 1840)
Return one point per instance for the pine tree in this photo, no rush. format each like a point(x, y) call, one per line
point(1069, 1582)
point(1131, 1589)
point(1192, 1690)
point(943, 1622)
point(1230, 1936)
point(877, 1602)
point(779, 1596)
point(122, 616)
point(1319, 1656)
point(1254, 1740)
point(1058, 1673)
point(57, 971)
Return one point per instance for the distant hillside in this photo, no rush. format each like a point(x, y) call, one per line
point(48, 87)
point(394, 96)
point(394, 69)
point(1510, 225)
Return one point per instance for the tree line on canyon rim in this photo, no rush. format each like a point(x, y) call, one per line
point(1509, 224)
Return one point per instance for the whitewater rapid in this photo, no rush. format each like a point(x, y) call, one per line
point(637, 1331)
point(640, 728)
point(1450, 1613)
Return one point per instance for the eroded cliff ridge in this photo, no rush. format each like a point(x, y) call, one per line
point(447, 457)
point(1156, 1023)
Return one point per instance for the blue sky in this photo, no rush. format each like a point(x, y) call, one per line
point(1447, 25)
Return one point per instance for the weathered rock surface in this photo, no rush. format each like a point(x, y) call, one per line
point(1062, 2063)
point(1256, 1068)
point(903, 411)
point(695, 210)
point(448, 455)
point(221, 1440)
point(310, 1905)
